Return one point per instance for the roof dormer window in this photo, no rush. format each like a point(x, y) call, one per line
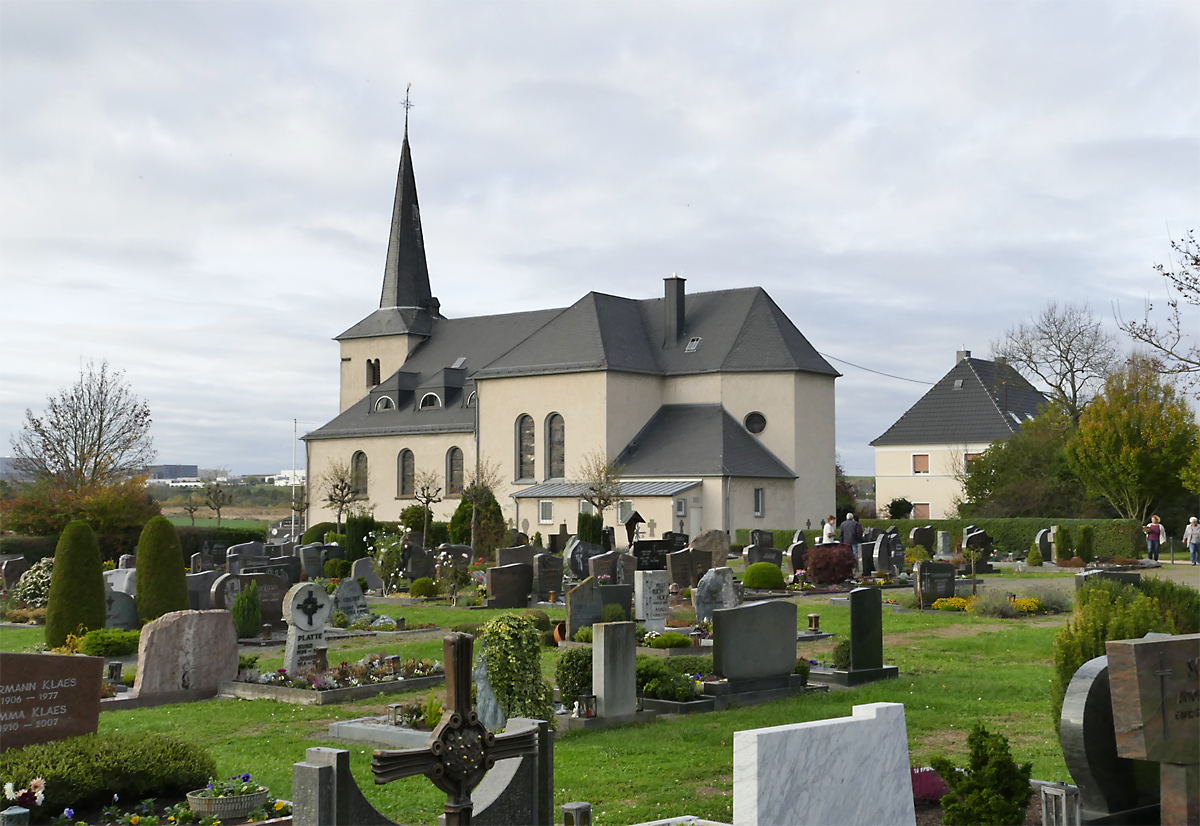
point(692, 345)
point(430, 401)
point(384, 403)
point(958, 383)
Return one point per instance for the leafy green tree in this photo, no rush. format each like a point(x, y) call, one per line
point(1135, 442)
point(161, 579)
point(490, 527)
point(76, 585)
point(899, 508)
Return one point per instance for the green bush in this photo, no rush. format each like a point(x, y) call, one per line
point(763, 576)
point(677, 687)
point(110, 642)
point(671, 639)
point(1177, 600)
point(247, 662)
point(802, 668)
point(899, 508)
point(471, 628)
point(992, 604)
point(424, 587)
point(537, 540)
point(1034, 560)
point(841, 655)
point(1052, 599)
point(336, 568)
point(338, 539)
point(584, 634)
point(650, 667)
point(540, 618)
point(1086, 543)
point(317, 533)
point(34, 587)
point(993, 789)
point(357, 528)
point(247, 611)
point(413, 518)
point(612, 613)
point(89, 770)
point(32, 548)
point(590, 528)
point(514, 666)
point(161, 577)
point(1062, 543)
point(76, 585)
point(573, 674)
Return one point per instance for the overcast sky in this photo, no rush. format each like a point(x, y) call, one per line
point(200, 192)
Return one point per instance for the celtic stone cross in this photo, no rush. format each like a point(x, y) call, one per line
point(460, 751)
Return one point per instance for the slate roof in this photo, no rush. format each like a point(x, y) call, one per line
point(977, 401)
point(575, 490)
point(698, 440)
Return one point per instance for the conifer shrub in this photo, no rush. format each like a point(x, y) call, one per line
point(802, 669)
point(514, 666)
point(584, 634)
point(993, 789)
point(671, 639)
point(247, 612)
point(841, 655)
point(1062, 543)
point(612, 613)
point(336, 568)
point(573, 674)
point(1177, 600)
point(161, 578)
point(1034, 560)
point(357, 529)
point(829, 564)
point(424, 587)
point(76, 585)
point(590, 528)
point(110, 642)
point(1085, 543)
point(763, 576)
point(317, 533)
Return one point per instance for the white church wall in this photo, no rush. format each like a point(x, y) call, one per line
point(391, 352)
point(816, 448)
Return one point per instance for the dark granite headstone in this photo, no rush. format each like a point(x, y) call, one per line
point(678, 541)
point(215, 549)
point(331, 552)
point(866, 628)
point(558, 541)
point(420, 564)
point(1128, 577)
point(577, 555)
point(547, 575)
point(755, 644)
point(764, 553)
point(509, 586)
point(287, 568)
point(680, 570)
point(584, 605)
point(934, 581)
point(925, 536)
point(796, 554)
point(604, 565)
point(511, 556)
point(61, 692)
point(1043, 540)
point(201, 563)
point(271, 590)
point(12, 566)
point(702, 562)
point(200, 590)
point(764, 539)
point(621, 595)
point(651, 554)
point(310, 560)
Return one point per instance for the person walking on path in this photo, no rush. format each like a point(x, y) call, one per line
point(851, 533)
point(1154, 536)
point(1191, 538)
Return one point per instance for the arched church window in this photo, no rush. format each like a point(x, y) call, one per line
point(385, 403)
point(525, 455)
point(430, 400)
point(556, 451)
point(406, 472)
point(454, 472)
point(358, 474)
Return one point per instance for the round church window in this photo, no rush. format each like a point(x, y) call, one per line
point(756, 422)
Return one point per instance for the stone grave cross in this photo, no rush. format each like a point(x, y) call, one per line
point(460, 750)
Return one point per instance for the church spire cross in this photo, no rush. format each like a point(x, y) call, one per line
point(460, 751)
point(406, 273)
point(407, 104)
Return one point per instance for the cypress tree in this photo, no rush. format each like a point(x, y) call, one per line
point(247, 611)
point(76, 585)
point(161, 579)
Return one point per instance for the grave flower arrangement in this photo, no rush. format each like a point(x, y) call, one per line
point(234, 797)
point(374, 668)
point(32, 795)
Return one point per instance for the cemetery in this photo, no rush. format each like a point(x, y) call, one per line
point(661, 655)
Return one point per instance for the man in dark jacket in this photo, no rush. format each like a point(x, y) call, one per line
point(851, 533)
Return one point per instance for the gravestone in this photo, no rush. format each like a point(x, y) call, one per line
point(509, 586)
point(559, 541)
point(201, 563)
point(511, 556)
point(307, 609)
point(40, 688)
point(764, 553)
point(271, 590)
point(943, 545)
point(310, 560)
point(287, 568)
point(189, 652)
point(215, 549)
point(12, 566)
point(457, 555)
point(367, 569)
point(604, 565)
point(1155, 687)
point(349, 599)
point(120, 610)
point(979, 540)
point(716, 589)
point(866, 559)
point(200, 590)
point(716, 542)
point(686, 567)
point(1110, 786)
point(123, 580)
point(420, 564)
point(765, 539)
point(1042, 540)
point(577, 554)
point(934, 581)
point(826, 762)
point(584, 605)
point(924, 536)
point(329, 552)
point(651, 554)
point(866, 629)
point(614, 669)
point(127, 562)
point(889, 553)
point(1128, 577)
point(754, 645)
point(247, 549)
point(796, 553)
point(235, 563)
point(652, 599)
point(621, 595)
point(547, 576)
point(487, 706)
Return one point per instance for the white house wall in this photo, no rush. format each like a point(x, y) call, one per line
point(940, 488)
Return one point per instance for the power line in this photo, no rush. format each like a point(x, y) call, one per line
point(877, 372)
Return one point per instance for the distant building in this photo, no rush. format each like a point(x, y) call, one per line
point(166, 473)
point(922, 456)
point(285, 478)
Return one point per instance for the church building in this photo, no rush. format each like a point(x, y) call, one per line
point(717, 409)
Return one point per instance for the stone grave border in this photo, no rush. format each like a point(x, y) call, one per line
point(308, 697)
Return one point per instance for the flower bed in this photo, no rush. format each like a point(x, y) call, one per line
point(309, 697)
point(373, 674)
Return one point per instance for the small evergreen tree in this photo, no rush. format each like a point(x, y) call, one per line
point(1062, 543)
point(161, 578)
point(1084, 543)
point(247, 612)
point(1034, 560)
point(76, 585)
point(993, 789)
point(357, 528)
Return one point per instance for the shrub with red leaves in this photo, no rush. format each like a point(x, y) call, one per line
point(928, 786)
point(829, 564)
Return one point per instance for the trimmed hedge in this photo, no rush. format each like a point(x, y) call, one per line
point(317, 533)
point(110, 642)
point(191, 540)
point(76, 585)
point(33, 547)
point(89, 770)
point(161, 579)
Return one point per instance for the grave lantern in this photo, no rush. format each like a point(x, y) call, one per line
point(393, 664)
point(114, 671)
point(587, 705)
point(1060, 805)
point(394, 713)
point(814, 623)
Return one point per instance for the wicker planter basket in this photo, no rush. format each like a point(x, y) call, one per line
point(223, 808)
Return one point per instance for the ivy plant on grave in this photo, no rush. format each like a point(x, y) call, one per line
point(514, 658)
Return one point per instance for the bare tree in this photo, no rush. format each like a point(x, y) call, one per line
point(1063, 348)
point(337, 488)
point(93, 433)
point(190, 505)
point(300, 505)
point(1175, 356)
point(426, 491)
point(601, 479)
point(217, 498)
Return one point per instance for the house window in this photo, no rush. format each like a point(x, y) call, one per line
point(920, 510)
point(681, 507)
point(384, 403)
point(358, 474)
point(624, 510)
point(760, 501)
point(545, 511)
point(920, 463)
point(970, 457)
point(525, 447)
point(372, 372)
point(406, 471)
point(586, 507)
point(556, 452)
point(454, 472)
point(430, 400)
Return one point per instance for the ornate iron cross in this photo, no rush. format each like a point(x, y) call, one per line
point(460, 751)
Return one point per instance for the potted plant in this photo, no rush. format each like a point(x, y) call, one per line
point(228, 799)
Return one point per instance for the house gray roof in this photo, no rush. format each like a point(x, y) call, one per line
point(698, 440)
point(977, 401)
point(575, 490)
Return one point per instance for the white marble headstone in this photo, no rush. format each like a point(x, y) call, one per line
point(824, 782)
point(123, 580)
point(943, 544)
point(652, 599)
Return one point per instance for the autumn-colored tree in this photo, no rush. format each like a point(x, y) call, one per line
point(43, 509)
point(1136, 441)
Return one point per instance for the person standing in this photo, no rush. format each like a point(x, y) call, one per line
point(851, 533)
point(1154, 536)
point(1191, 538)
point(829, 532)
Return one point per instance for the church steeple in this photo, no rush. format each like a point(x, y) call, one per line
point(406, 275)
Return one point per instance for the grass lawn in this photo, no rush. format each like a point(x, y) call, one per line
point(184, 522)
point(955, 669)
point(21, 639)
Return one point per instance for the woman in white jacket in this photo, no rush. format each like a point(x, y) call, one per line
point(1191, 538)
